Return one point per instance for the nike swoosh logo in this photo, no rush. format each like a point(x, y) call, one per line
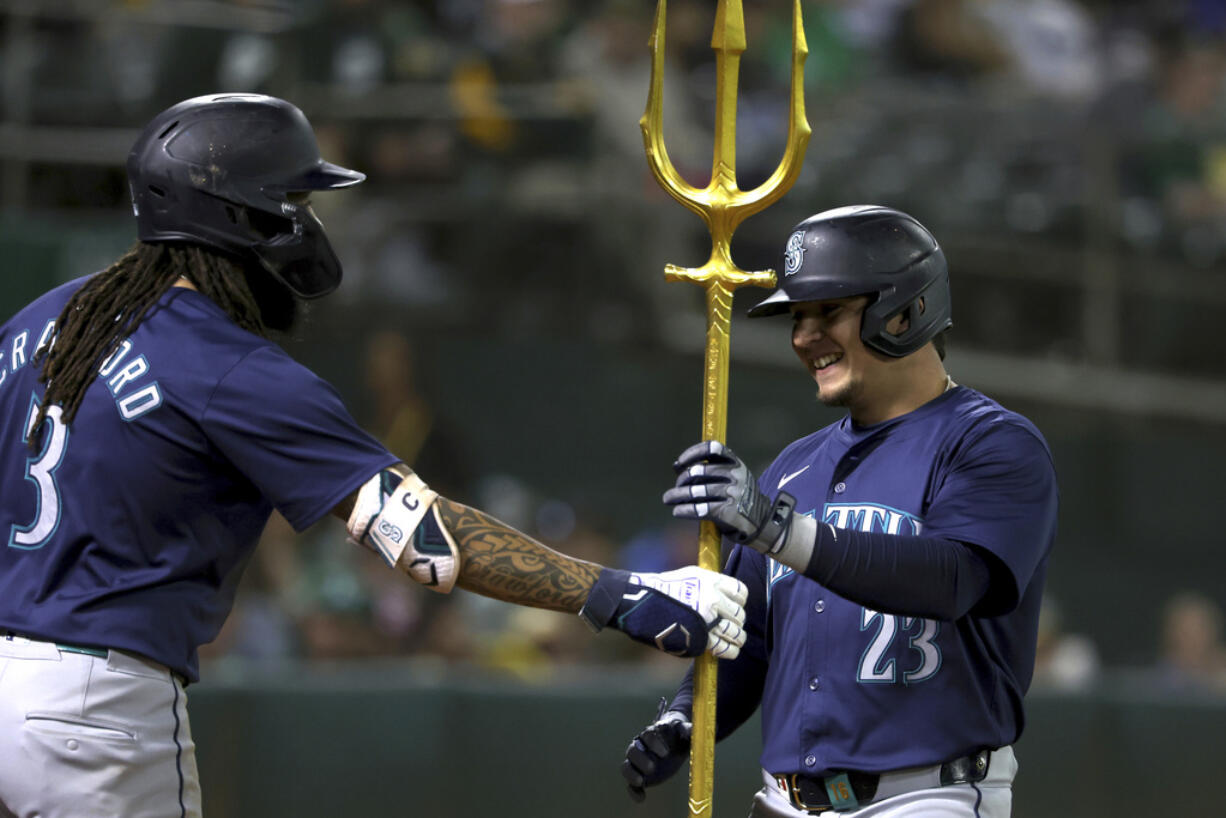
point(788, 478)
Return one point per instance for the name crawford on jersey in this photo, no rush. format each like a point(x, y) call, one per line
point(126, 375)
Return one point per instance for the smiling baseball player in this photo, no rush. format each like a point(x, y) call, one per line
point(148, 428)
point(895, 559)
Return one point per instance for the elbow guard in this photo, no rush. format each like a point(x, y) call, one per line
point(395, 516)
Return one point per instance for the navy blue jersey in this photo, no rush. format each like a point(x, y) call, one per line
point(130, 529)
point(847, 687)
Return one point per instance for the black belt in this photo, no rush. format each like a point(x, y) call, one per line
point(813, 794)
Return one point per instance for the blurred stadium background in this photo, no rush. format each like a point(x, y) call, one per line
point(505, 326)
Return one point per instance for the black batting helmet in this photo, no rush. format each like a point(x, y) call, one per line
point(217, 170)
point(868, 250)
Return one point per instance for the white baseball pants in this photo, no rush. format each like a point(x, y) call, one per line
point(913, 794)
point(89, 736)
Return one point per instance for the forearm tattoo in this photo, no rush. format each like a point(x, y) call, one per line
point(503, 563)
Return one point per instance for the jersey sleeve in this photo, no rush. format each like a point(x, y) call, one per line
point(999, 493)
point(288, 432)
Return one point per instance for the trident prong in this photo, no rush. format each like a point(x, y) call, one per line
point(722, 206)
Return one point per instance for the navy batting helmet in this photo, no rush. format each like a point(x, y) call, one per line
point(874, 251)
point(217, 170)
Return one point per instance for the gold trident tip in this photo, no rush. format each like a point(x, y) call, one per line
point(722, 205)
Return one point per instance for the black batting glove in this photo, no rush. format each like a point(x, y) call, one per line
point(657, 753)
point(714, 484)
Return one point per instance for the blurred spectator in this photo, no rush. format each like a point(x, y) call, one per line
point(388, 231)
point(484, 120)
point(949, 39)
point(404, 417)
point(514, 49)
point(322, 585)
point(1063, 661)
point(837, 33)
point(525, 642)
point(531, 643)
point(608, 60)
point(1046, 46)
point(1052, 45)
point(1192, 654)
point(661, 549)
point(870, 24)
point(340, 600)
point(1177, 160)
point(405, 420)
point(521, 37)
point(348, 46)
point(247, 62)
point(1206, 17)
point(261, 627)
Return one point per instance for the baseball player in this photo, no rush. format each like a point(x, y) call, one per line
point(895, 559)
point(148, 428)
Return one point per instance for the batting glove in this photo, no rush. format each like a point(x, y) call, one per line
point(714, 484)
point(657, 753)
point(682, 612)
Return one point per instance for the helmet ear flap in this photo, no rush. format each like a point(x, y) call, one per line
point(913, 314)
point(922, 321)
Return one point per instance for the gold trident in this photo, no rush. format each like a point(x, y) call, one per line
point(722, 206)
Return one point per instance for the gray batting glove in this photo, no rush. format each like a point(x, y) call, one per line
point(714, 484)
point(657, 753)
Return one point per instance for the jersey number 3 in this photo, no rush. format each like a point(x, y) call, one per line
point(40, 470)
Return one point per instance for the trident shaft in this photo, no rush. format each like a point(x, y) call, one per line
point(722, 206)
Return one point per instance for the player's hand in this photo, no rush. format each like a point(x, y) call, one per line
point(714, 484)
point(657, 753)
point(682, 612)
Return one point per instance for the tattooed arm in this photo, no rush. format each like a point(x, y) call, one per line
point(500, 562)
point(441, 543)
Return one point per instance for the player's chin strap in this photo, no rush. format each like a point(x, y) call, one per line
point(395, 516)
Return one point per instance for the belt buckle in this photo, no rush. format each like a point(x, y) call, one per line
point(790, 785)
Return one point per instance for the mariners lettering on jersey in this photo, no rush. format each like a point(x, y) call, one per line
point(858, 517)
point(873, 518)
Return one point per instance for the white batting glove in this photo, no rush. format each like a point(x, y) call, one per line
point(682, 612)
point(718, 598)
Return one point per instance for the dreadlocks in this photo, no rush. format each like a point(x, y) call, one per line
point(112, 304)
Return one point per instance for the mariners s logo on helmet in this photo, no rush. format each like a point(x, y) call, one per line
point(794, 253)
